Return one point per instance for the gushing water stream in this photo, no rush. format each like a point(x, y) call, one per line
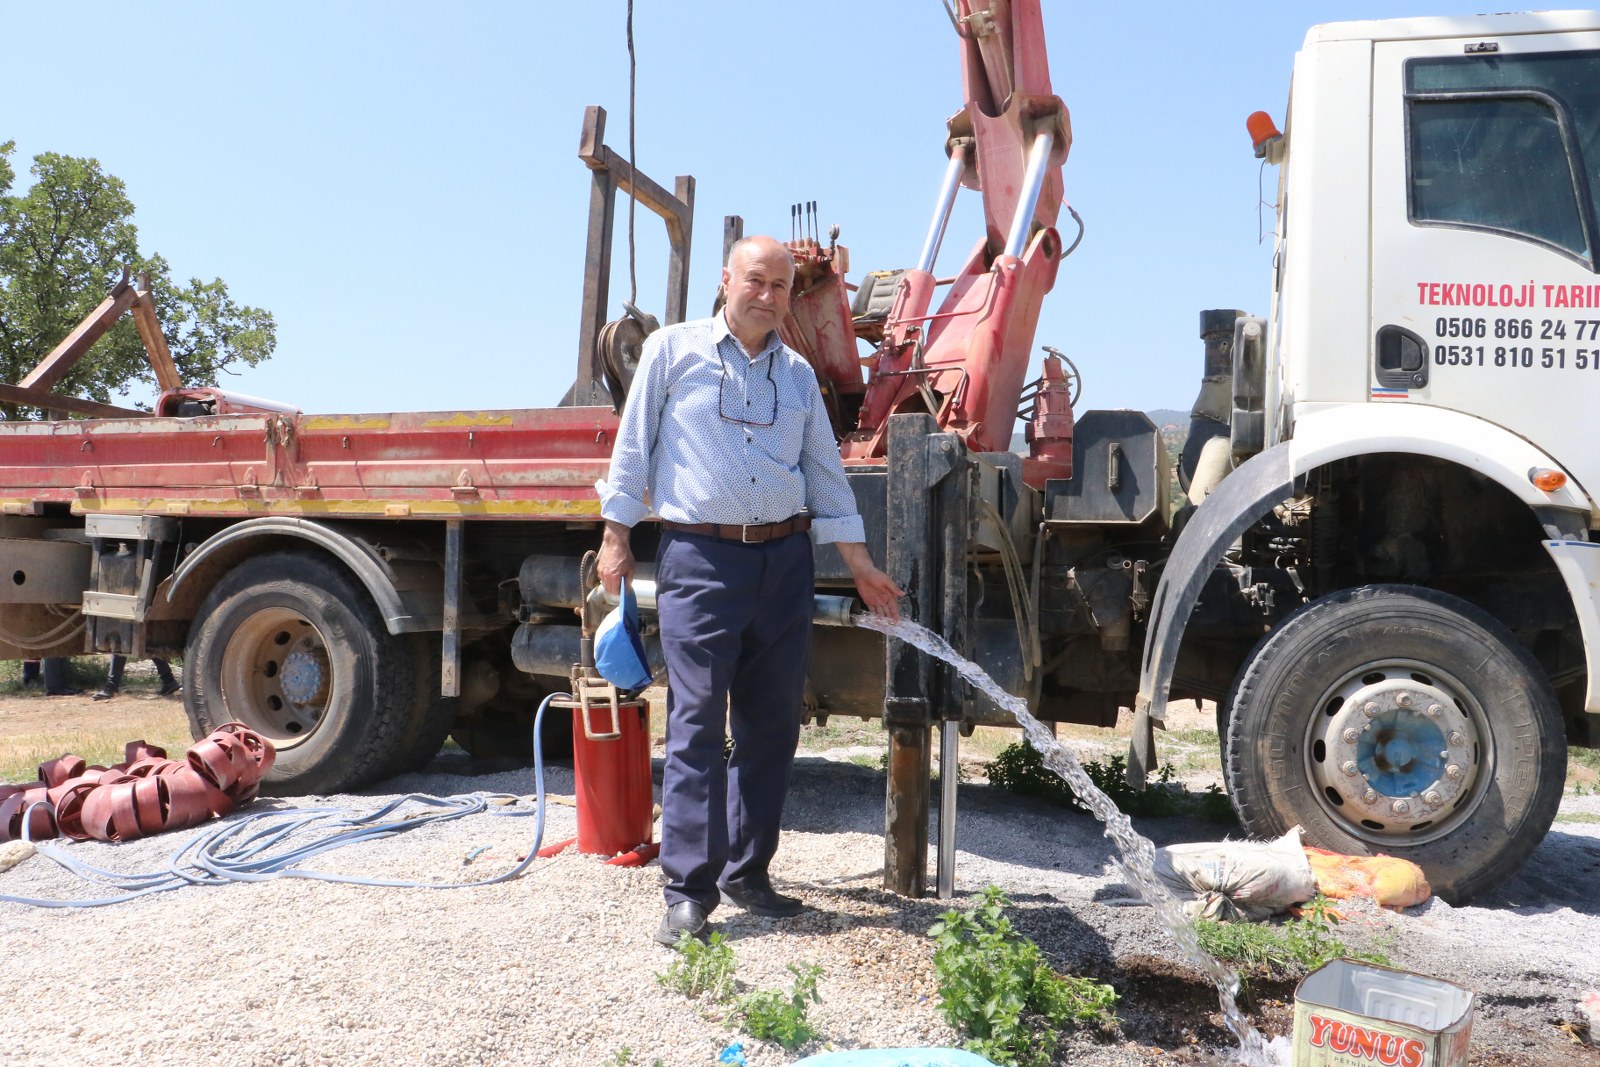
point(1138, 853)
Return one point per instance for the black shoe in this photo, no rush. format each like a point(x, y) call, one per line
point(171, 688)
point(63, 691)
point(684, 917)
point(763, 900)
point(105, 694)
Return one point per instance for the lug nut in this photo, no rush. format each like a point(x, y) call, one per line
point(1453, 772)
point(1349, 767)
point(1400, 807)
point(1433, 798)
point(1434, 711)
point(1350, 735)
point(1457, 738)
point(1370, 796)
point(1370, 708)
point(1403, 699)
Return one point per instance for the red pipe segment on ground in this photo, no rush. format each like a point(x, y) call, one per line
point(144, 794)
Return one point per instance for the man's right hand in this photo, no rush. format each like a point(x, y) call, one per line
point(616, 557)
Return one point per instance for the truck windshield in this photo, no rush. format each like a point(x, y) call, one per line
point(1501, 143)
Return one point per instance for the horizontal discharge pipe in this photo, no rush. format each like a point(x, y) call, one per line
point(825, 610)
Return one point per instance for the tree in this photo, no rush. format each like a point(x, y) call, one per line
point(63, 244)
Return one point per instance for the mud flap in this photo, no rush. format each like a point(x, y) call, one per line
point(1579, 564)
point(1242, 498)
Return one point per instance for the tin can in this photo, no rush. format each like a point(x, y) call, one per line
point(1350, 1014)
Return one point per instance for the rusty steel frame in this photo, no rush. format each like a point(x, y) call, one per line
point(34, 389)
point(611, 172)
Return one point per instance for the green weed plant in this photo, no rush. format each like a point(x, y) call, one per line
point(705, 969)
point(996, 988)
point(700, 968)
point(772, 1015)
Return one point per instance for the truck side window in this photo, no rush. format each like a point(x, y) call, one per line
point(1500, 143)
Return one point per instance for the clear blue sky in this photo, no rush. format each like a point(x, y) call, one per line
point(398, 182)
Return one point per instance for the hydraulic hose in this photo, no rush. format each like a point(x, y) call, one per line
point(261, 846)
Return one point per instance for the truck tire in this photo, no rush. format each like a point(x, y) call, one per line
point(292, 645)
point(1399, 720)
point(432, 714)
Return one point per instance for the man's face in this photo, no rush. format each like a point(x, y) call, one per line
point(757, 281)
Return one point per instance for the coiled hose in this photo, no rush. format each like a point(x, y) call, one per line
point(270, 844)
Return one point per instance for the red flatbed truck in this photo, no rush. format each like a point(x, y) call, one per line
point(1385, 568)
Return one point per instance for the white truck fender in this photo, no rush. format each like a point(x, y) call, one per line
point(1321, 436)
point(1579, 564)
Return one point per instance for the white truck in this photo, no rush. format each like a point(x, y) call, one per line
point(1417, 451)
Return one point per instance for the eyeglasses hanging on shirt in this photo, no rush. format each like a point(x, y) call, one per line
point(722, 404)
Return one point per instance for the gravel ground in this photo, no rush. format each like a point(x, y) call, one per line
point(558, 967)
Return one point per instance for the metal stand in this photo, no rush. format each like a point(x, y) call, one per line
point(610, 173)
point(926, 552)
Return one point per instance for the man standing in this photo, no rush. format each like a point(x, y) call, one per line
point(726, 436)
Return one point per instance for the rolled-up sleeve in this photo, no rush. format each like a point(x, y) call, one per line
point(828, 495)
point(625, 491)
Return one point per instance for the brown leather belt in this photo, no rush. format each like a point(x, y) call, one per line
point(753, 534)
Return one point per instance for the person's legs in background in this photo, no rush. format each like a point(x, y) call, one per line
point(169, 684)
point(114, 671)
point(55, 678)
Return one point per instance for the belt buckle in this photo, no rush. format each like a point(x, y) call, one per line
point(744, 533)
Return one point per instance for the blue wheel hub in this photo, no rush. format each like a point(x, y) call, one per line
point(1395, 751)
point(303, 677)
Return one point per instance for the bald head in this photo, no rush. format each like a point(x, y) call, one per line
point(756, 281)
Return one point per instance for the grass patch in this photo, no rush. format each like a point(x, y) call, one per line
point(1021, 769)
point(705, 969)
point(83, 672)
point(160, 722)
point(1579, 817)
point(1287, 950)
point(1588, 758)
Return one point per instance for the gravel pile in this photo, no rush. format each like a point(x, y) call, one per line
point(558, 967)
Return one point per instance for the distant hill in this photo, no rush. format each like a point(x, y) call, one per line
point(1165, 417)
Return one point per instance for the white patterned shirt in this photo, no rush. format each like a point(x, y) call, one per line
point(710, 435)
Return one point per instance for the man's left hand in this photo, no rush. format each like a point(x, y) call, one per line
point(877, 589)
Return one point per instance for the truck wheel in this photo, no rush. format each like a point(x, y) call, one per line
point(1399, 720)
point(292, 646)
point(431, 714)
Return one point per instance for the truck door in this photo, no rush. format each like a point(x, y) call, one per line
point(1485, 296)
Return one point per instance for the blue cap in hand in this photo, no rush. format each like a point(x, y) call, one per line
point(618, 648)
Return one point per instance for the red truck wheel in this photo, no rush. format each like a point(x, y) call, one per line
point(291, 645)
point(1399, 720)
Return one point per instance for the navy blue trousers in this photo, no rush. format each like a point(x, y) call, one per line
point(736, 635)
